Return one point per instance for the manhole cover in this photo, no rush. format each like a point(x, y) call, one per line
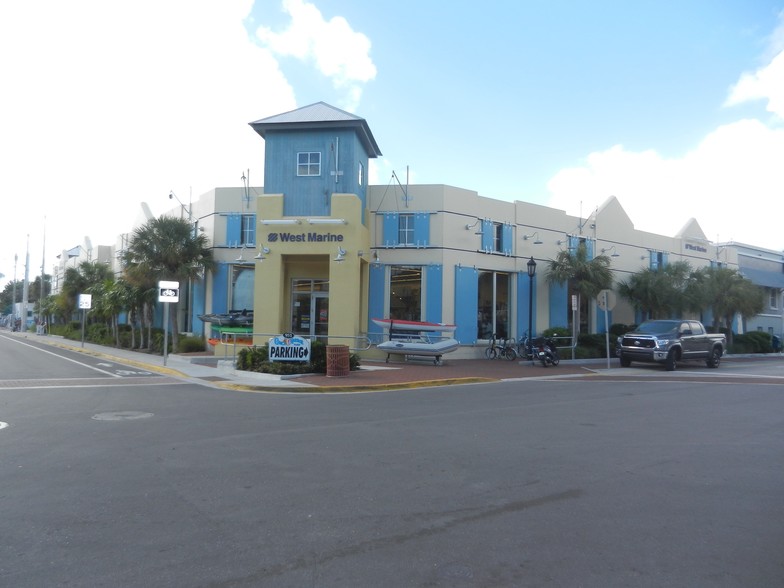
point(122, 415)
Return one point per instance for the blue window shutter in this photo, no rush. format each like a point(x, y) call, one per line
point(665, 257)
point(422, 229)
point(506, 239)
point(559, 305)
point(654, 261)
point(573, 243)
point(434, 286)
point(487, 235)
point(590, 246)
point(233, 229)
point(466, 297)
point(376, 286)
point(391, 227)
point(523, 292)
point(198, 290)
point(220, 288)
point(601, 327)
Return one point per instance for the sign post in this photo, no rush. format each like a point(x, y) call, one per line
point(575, 323)
point(168, 292)
point(606, 301)
point(85, 303)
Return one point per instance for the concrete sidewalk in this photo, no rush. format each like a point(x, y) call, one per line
point(372, 375)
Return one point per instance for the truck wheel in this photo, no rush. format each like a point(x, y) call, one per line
point(715, 358)
point(672, 361)
point(625, 361)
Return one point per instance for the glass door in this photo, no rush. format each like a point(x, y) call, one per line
point(320, 304)
point(310, 308)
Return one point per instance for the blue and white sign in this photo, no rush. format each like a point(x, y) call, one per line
point(289, 348)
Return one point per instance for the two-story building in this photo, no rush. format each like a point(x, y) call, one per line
point(318, 252)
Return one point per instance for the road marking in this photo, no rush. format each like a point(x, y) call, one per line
point(92, 367)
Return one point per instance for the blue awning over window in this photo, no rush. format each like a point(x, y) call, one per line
point(764, 278)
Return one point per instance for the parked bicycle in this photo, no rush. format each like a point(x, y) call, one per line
point(501, 348)
point(526, 350)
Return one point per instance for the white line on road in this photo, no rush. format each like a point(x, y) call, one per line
point(61, 357)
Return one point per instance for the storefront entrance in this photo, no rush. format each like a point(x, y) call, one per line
point(310, 307)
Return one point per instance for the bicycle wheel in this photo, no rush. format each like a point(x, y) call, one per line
point(510, 353)
point(491, 353)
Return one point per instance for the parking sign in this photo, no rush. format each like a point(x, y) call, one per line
point(168, 291)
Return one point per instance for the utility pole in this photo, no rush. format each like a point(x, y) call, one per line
point(26, 286)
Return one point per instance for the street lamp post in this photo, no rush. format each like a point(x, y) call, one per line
point(189, 209)
point(531, 273)
point(189, 295)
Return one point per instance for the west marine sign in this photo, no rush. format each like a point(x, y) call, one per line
point(305, 237)
point(289, 348)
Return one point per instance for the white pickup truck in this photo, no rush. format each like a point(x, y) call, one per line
point(671, 341)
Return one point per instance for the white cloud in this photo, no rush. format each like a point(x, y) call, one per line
point(766, 83)
point(106, 105)
point(339, 52)
point(731, 184)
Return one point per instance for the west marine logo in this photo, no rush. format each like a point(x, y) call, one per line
point(305, 237)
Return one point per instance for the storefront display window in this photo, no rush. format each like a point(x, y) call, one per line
point(405, 297)
point(493, 305)
point(242, 288)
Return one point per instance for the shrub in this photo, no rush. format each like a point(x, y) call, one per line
point(592, 346)
point(256, 359)
point(619, 329)
point(99, 333)
point(753, 342)
point(191, 344)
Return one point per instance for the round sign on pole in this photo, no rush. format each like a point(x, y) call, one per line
point(606, 300)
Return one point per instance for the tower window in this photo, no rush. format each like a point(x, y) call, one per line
point(309, 163)
point(405, 235)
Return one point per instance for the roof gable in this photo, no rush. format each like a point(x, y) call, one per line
point(319, 116)
point(691, 230)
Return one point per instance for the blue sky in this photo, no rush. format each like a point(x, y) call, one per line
point(676, 108)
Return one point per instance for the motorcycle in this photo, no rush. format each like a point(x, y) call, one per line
point(547, 352)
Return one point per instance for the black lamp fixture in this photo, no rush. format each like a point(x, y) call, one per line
point(531, 267)
point(531, 273)
point(188, 210)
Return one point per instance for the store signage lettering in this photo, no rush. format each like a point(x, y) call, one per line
point(699, 248)
point(289, 348)
point(305, 237)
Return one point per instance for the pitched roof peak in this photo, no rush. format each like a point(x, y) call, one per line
point(319, 115)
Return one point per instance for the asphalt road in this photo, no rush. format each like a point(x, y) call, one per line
point(133, 479)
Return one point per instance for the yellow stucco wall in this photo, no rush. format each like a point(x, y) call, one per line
point(311, 253)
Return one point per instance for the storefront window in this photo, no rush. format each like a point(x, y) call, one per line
point(493, 305)
point(242, 288)
point(405, 296)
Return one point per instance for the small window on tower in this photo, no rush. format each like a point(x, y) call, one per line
point(309, 163)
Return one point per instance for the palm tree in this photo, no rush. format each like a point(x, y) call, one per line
point(728, 293)
point(585, 277)
point(661, 292)
point(79, 280)
point(166, 248)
